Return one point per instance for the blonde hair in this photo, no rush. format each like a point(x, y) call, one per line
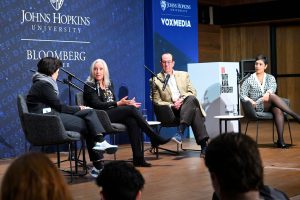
point(34, 176)
point(106, 79)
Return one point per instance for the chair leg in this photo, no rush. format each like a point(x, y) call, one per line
point(257, 123)
point(246, 127)
point(70, 160)
point(82, 162)
point(273, 124)
point(288, 121)
point(84, 165)
point(58, 156)
point(75, 157)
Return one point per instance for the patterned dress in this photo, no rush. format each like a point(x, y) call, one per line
point(253, 89)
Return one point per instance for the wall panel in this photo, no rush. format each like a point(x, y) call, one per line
point(209, 43)
point(288, 62)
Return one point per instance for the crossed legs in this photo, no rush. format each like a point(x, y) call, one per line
point(277, 106)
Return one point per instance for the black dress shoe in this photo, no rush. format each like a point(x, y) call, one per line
point(203, 151)
point(141, 163)
point(203, 144)
point(281, 144)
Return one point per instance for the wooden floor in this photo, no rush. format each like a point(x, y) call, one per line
point(185, 176)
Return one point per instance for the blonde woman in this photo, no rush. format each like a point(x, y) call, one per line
point(123, 111)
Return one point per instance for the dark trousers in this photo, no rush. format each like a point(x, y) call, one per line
point(190, 114)
point(86, 123)
point(132, 118)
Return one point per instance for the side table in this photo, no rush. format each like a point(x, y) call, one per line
point(227, 118)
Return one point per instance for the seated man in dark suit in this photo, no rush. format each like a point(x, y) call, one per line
point(180, 95)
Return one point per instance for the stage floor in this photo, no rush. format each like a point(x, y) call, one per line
point(185, 176)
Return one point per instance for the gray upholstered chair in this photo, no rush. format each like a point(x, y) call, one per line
point(165, 115)
point(47, 129)
point(109, 127)
point(251, 115)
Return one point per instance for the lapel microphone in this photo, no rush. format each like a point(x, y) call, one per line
point(166, 82)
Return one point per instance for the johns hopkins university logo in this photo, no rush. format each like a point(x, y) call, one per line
point(56, 4)
point(163, 5)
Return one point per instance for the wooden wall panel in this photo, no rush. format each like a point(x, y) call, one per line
point(230, 44)
point(209, 43)
point(244, 42)
point(288, 62)
point(289, 88)
point(288, 48)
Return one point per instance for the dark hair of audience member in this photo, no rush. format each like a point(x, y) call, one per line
point(120, 180)
point(236, 162)
point(34, 176)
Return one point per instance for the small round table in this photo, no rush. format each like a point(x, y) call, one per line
point(154, 123)
point(227, 118)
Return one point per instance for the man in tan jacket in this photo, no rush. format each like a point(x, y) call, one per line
point(179, 93)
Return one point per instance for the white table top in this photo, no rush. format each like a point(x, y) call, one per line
point(152, 123)
point(228, 116)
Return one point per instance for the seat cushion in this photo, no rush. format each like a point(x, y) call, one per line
point(73, 135)
point(119, 127)
point(264, 115)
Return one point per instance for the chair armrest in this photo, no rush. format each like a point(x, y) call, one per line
point(248, 109)
point(105, 121)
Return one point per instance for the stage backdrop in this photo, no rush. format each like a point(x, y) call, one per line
point(170, 26)
point(77, 32)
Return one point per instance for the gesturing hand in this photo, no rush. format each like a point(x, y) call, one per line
point(134, 103)
point(125, 102)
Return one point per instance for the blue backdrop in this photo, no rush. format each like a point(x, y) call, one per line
point(78, 32)
point(170, 26)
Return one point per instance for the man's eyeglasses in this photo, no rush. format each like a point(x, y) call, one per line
point(167, 62)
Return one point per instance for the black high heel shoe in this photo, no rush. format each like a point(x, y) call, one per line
point(281, 144)
point(158, 140)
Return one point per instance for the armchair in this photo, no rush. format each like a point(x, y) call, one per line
point(251, 115)
point(46, 129)
point(109, 127)
point(165, 115)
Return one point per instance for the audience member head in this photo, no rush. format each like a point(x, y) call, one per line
point(167, 63)
point(49, 65)
point(120, 180)
point(235, 165)
point(99, 72)
point(34, 176)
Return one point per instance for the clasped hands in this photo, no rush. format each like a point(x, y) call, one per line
point(126, 102)
point(177, 104)
point(265, 98)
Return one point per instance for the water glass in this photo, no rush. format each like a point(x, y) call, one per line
point(229, 109)
point(144, 113)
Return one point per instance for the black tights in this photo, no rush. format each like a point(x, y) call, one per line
point(277, 106)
